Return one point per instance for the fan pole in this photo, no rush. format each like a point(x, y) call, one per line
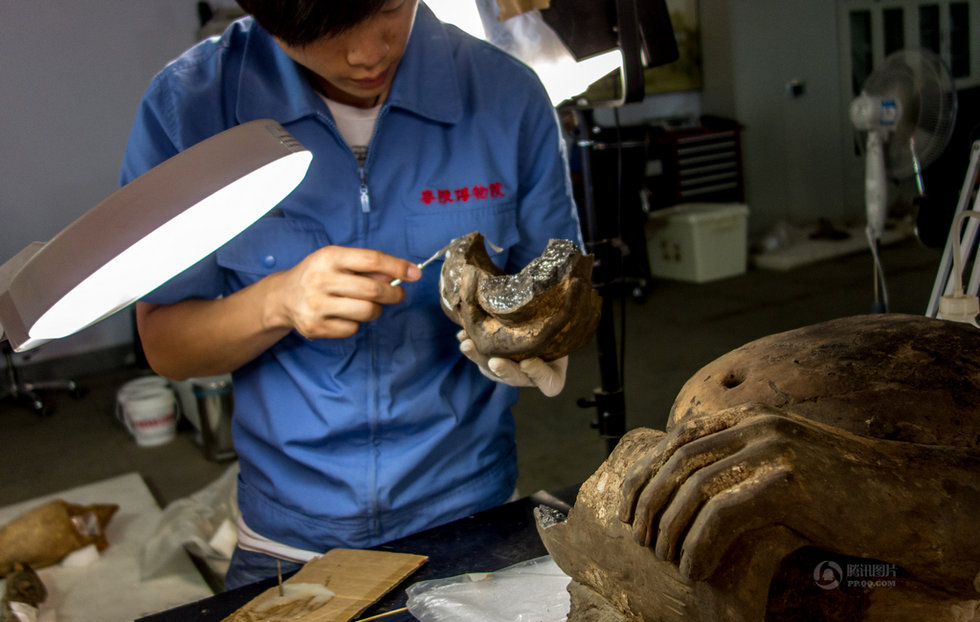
point(876, 203)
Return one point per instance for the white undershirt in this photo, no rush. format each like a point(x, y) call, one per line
point(256, 542)
point(356, 125)
point(253, 541)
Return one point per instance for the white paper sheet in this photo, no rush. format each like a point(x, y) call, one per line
point(110, 588)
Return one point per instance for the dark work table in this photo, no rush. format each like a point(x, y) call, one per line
point(484, 542)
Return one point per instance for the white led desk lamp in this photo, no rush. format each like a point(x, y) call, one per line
point(150, 230)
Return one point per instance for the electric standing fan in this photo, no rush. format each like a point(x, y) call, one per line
point(906, 110)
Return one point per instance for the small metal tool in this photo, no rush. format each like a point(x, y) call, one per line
point(426, 262)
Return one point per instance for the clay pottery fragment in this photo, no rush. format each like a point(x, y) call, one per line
point(548, 310)
point(44, 535)
point(22, 586)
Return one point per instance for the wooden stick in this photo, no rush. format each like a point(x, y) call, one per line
point(383, 615)
point(279, 572)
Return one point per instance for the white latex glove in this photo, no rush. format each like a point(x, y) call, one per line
point(548, 376)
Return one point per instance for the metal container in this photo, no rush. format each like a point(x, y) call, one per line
point(215, 404)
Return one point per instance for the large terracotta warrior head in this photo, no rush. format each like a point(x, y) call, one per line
point(829, 472)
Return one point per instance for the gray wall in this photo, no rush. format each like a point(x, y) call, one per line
point(72, 74)
point(753, 49)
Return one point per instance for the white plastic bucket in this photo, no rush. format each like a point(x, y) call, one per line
point(137, 386)
point(148, 409)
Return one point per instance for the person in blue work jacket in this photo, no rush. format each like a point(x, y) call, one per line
point(358, 419)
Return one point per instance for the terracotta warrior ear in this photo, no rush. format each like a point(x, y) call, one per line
point(548, 310)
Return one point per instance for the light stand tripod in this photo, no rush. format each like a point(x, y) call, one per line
point(609, 399)
point(643, 32)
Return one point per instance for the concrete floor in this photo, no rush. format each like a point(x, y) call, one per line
point(676, 330)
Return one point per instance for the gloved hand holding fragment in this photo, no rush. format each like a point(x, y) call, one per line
point(549, 376)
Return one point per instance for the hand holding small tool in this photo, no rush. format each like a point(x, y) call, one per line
point(422, 265)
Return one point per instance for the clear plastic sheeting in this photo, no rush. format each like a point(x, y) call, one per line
point(202, 524)
point(532, 591)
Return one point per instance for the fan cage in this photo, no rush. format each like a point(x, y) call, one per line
point(922, 83)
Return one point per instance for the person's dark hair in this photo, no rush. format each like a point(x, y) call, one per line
point(301, 22)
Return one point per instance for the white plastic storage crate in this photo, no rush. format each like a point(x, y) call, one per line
point(698, 242)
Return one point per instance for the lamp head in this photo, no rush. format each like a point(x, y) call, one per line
point(147, 232)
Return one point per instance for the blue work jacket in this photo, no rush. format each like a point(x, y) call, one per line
point(352, 442)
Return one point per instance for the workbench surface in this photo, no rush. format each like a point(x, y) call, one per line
point(483, 542)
